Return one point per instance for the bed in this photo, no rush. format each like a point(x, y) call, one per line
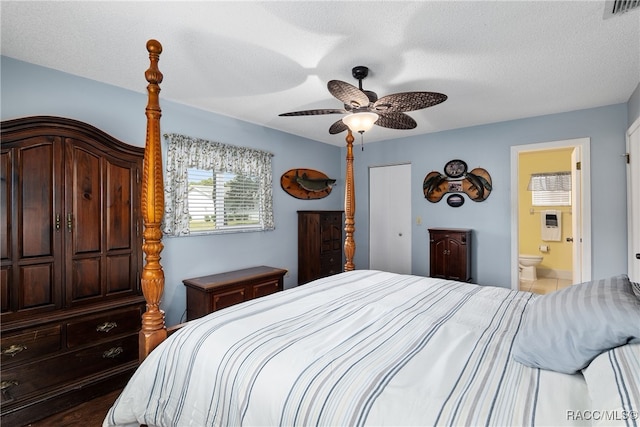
point(368, 347)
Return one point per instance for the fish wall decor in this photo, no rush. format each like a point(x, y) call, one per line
point(306, 183)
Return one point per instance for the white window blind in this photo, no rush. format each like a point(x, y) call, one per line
point(551, 198)
point(550, 189)
point(222, 200)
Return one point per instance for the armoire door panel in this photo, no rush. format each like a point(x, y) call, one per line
point(119, 206)
point(86, 278)
point(37, 286)
point(86, 201)
point(440, 258)
point(5, 288)
point(37, 204)
point(119, 277)
point(456, 252)
point(5, 204)
point(331, 237)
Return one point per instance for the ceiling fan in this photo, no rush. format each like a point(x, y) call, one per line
point(363, 109)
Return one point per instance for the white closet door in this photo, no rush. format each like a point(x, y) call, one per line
point(390, 218)
point(633, 202)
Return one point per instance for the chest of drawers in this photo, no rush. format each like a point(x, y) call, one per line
point(46, 367)
point(217, 291)
point(319, 244)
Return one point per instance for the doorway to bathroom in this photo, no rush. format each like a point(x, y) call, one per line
point(565, 258)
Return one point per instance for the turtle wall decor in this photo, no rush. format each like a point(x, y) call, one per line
point(476, 184)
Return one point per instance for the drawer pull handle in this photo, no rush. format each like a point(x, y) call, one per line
point(112, 353)
point(4, 385)
point(14, 349)
point(106, 326)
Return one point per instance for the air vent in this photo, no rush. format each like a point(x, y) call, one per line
point(618, 7)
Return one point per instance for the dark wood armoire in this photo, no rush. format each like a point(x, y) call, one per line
point(319, 244)
point(450, 253)
point(71, 261)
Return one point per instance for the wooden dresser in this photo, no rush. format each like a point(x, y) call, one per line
point(71, 261)
point(450, 253)
point(217, 291)
point(319, 244)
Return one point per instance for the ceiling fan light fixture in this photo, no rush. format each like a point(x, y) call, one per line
point(360, 121)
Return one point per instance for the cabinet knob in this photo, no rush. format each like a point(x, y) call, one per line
point(106, 326)
point(14, 349)
point(112, 353)
point(5, 385)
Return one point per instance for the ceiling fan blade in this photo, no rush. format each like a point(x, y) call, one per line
point(396, 121)
point(338, 127)
point(314, 112)
point(408, 101)
point(348, 94)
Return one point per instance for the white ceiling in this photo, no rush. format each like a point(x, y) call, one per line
point(251, 60)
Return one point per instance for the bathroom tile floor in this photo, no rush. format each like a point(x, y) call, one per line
point(544, 285)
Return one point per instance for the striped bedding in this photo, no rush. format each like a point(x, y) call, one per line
point(358, 348)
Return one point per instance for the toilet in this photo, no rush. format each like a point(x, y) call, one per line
point(527, 264)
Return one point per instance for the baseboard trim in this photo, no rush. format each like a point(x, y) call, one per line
point(554, 274)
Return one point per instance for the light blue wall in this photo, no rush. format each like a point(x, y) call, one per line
point(488, 147)
point(29, 90)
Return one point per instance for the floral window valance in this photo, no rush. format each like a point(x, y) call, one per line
point(185, 153)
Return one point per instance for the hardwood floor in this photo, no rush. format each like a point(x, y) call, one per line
point(88, 414)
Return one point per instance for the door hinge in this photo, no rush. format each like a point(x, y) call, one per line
point(578, 166)
point(627, 157)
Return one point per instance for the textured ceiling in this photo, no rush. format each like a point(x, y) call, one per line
point(251, 60)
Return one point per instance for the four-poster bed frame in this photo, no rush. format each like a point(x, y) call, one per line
point(154, 330)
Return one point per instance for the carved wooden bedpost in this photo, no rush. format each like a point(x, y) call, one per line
point(153, 330)
point(349, 207)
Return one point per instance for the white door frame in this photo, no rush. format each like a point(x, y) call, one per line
point(584, 145)
point(633, 200)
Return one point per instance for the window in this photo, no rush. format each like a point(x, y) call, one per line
point(216, 188)
point(550, 189)
point(222, 201)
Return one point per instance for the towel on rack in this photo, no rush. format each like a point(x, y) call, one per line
point(551, 226)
